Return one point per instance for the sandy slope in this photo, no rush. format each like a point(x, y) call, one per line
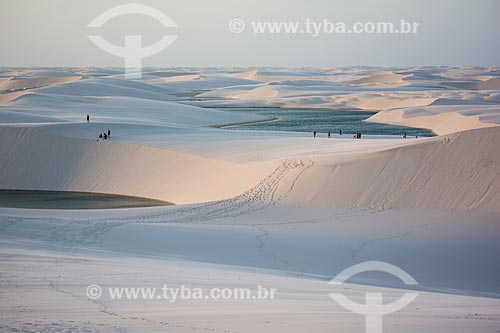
point(396, 177)
point(380, 79)
point(30, 83)
point(277, 209)
point(257, 93)
point(4, 98)
point(442, 119)
point(60, 304)
point(38, 160)
point(432, 174)
point(442, 124)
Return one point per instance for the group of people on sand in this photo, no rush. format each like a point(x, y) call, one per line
point(404, 136)
point(356, 135)
point(105, 135)
point(329, 134)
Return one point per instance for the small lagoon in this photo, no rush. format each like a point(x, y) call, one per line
point(323, 121)
point(71, 200)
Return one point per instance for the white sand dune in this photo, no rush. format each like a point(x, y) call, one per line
point(4, 80)
point(119, 109)
point(368, 89)
point(375, 79)
point(258, 93)
point(249, 75)
point(110, 87)
point(280, 209)
point(490, 84)
point(442, 119)
point(180, 78)
point(9, 73)
point(61, 163)
point(4, 98)
point(30, 83)
point(206, 82)
point(392, 178)
point(423, 175)
point(299, 306)
point(9, 117)
point(384, 101)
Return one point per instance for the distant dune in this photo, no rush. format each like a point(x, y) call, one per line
point(37, 82)
point(279, 209)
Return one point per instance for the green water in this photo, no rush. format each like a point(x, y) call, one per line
point(323, 121)
point(71, 200)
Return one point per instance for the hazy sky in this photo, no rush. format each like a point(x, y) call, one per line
point(451, 32)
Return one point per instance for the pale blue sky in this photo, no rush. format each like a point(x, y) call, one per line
point(452, 32)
